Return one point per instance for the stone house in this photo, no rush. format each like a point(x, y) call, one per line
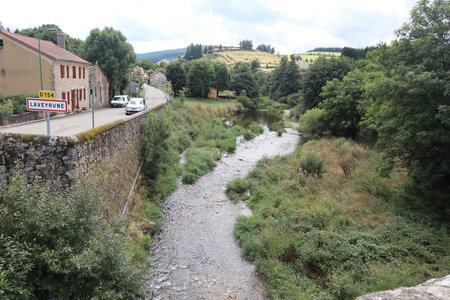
point(101, 87)
point(62, 71)
point(157, 78)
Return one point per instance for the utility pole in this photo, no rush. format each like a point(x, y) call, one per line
point(40, 71)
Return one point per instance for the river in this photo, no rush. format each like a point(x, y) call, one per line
point(195, 255)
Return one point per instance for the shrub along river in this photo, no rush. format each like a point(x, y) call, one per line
point(195, 255)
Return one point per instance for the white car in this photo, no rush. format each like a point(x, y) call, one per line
point(119, 101)
point(135, 105)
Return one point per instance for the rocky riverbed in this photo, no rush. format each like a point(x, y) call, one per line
point(195, 256)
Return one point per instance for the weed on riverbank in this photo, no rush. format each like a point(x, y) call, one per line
point(338, 235)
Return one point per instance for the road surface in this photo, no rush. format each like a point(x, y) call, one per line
point(79, 122)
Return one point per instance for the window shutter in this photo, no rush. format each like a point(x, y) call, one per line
point(64, 95)
point(84, 72)
point(67, 69)
point(84, 92)
point(62, 71)
point(79, 72)
point(74, 72)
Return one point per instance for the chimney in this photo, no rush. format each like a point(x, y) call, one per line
point(60, 40)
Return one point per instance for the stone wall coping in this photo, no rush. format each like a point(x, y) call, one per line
point(79, 137)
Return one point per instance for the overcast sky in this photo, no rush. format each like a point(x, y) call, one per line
point(289, 25)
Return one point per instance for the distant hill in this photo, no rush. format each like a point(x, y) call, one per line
point(160, 55)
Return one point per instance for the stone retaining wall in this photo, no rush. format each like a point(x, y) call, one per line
point(67, 159)
point(22, 118)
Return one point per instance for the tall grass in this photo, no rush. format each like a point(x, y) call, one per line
point(336, 236)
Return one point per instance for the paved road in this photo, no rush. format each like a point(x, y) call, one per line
point(79, 122)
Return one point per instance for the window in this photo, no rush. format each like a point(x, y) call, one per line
point(68, 74)
point(1, 44)
point(84, 72)
point(84, 92)
point(79, 72)
point(62, 71)
point(64, 96)
point(74, 72)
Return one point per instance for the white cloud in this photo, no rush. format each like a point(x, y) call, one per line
point(158, 25)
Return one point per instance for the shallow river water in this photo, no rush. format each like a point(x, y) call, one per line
point(195, 256)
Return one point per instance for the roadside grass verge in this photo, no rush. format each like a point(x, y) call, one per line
point(335, 236)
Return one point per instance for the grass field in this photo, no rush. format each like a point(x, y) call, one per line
point(313, 56)
point(267, 60)
point(231, 57)
point(207, 103)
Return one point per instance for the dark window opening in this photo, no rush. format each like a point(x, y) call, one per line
point(1, 44)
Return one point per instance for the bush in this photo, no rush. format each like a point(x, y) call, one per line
point(255, 128)
point(312, 164)
point(6, 109)
point(56, 245)
point(197, 163)
point(248, 135)
point(246, 102)
point(239, 106)
point(236, 188)
point(278, 127)
point(312, 125)
point(297, 111)
point(238, 130)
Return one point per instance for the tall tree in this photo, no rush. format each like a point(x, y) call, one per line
point(319, 73)
point(221, 77)
point(193, 51)
point(110, 49)
point(242, 80)
point(412, 111)
point(199, 77)
point(176, 76)
point(246, 44)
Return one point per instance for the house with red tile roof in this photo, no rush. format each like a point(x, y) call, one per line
point(158, 78)
point(62, 71)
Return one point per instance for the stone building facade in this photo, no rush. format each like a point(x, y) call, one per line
point(158, 78)
point(62, 71)
point(101, 86)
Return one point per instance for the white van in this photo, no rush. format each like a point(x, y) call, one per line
point(119, 101)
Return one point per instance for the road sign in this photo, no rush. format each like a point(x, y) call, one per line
point(47, 94)
point(46, 104)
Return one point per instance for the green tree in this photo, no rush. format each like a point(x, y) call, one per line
point(73, 45)
point(221, 77)
point(255, 65)
point(193, 52)
point(199, 77)
point(176, 76)
point(242, 79)
point(58, 245)
point(319, 73)
point(110, 49)
point(246, 44)
point(155, 145)
point(147, 65)
point(285, 78)
point(412, 107)
point(346, 102)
